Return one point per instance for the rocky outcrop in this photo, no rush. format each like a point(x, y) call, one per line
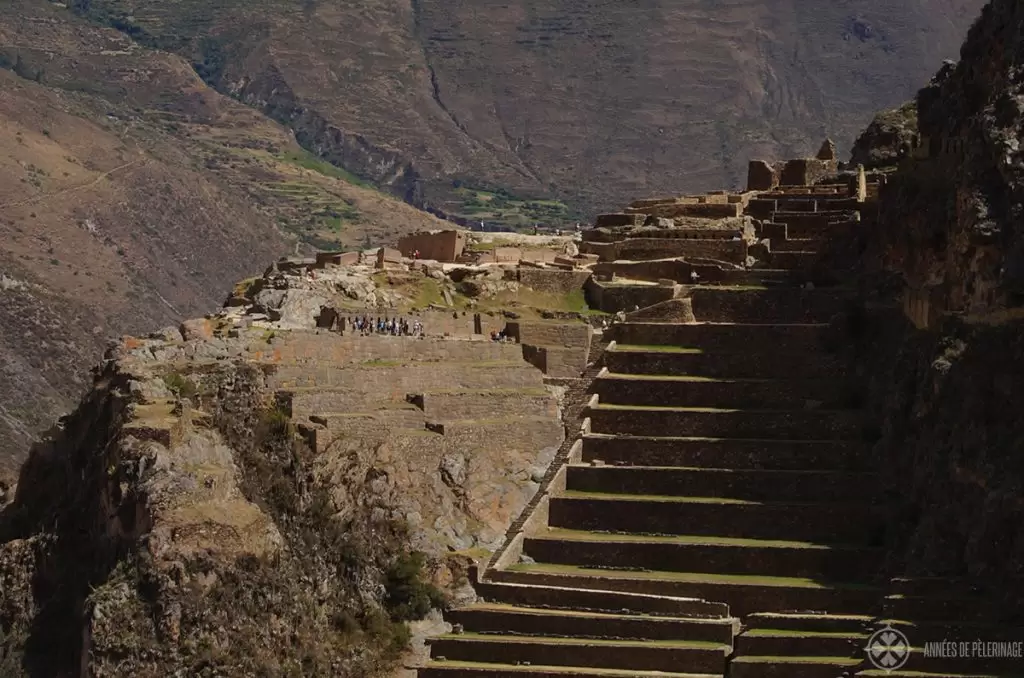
point(890, 137)
point(248, 491)
point(962, 242)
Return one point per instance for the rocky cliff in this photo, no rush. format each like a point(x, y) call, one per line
point(246, 494)
point(946, 368)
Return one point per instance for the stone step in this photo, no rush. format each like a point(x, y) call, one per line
point(793, 667)
point(794, 261)
point(678, 421)
point(539, 596)
point(734, 453)
point(798, 245)
point(763, 276)
point(920, 632)
point(785, 643)
point(782, 305)
point(903, 673)
point(817, 224)
point(929, 586)
point(686, 391)
point(691, 656)
point(934, 608)
point(813, 522)
point(453, 669)
point(657, 360)
point(746, 485)
point(702, 554)
point(949, 660)
point(743, 594)
point(488, 618)
point(825, 623)
point(725, 337)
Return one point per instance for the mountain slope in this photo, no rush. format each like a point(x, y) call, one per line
point(132, 195)
point(590, 101)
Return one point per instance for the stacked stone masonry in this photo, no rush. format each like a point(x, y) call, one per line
point(720, 512)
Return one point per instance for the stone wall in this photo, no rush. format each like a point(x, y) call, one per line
point(438, 323)
point(664, 248)
point(506, 255)
point(324, 259)
point(761, 176)
point(297, 346)
point(614, 297)
point(552, 280)
point(806, 171)
point(557, 349)
point(544, 333)
point(555, 362)
point(442, 246)
point(706, 210)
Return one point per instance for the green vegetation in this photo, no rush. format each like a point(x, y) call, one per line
point(180, 385)
point(408, 596)
point(307, 160)
point(275, 422)
point(376, 362)
point(429, 293)
point(500, 206)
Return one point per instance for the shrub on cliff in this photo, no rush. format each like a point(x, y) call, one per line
point(408, 596)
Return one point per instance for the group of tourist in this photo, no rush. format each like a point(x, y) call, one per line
point(499, 335)
point(396, 327)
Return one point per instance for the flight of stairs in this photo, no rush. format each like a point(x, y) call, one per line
point(723, 515)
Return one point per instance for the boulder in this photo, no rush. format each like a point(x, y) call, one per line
point(300, 308)
point(198, 328)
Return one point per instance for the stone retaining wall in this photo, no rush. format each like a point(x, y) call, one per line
point(552, 281)
point(612, 298)
point(331, 348)
point(382, 378)
point(664, 248)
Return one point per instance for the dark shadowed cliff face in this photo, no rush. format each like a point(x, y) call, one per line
point(963, 204)
point(948, 392)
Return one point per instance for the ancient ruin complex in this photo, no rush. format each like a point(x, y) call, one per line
point(721, 511)
point(677, 478)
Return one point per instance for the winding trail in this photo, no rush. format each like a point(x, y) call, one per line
point(72, 189)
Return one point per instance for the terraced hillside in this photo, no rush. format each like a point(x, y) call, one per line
point(722, 512)
point(590, 102)
point(133, 195)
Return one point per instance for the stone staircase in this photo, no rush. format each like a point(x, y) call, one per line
point(721, 513)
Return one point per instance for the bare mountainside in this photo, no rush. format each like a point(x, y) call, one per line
point(132, 195)
point(588, 102)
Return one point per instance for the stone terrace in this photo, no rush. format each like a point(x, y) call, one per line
point(720, 513)
point(435, 403)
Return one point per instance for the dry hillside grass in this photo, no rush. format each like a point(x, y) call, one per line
point(133, 195)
